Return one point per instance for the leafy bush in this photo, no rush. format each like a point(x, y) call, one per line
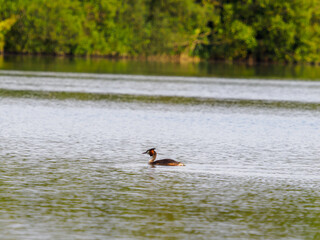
point(262, 30)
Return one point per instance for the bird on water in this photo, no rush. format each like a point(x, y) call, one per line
point(164, 162)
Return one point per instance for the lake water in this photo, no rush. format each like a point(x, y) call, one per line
point(71, 141)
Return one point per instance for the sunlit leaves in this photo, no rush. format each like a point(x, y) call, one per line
point(263, 30)
point(5, 26)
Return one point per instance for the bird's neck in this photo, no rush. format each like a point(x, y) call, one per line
point(153, 157)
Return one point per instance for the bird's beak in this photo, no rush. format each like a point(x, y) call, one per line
point(145, 152)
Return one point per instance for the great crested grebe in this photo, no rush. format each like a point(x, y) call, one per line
point(164, 162)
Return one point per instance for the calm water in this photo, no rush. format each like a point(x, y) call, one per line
point(73, 169)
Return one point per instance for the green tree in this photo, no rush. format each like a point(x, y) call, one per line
point(47, 27)
point(175, 27)
point(262, 30)
point(5, 26)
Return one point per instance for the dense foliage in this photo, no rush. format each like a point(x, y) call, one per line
point(262, 30)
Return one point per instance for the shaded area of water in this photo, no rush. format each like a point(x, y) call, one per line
point(100, 65)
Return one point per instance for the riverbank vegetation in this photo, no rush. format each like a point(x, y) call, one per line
point(246, 30)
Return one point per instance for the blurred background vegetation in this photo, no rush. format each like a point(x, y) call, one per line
point(245, 30)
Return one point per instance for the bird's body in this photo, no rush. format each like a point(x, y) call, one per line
point(163, 162)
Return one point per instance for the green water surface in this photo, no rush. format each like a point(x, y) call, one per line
point(104, 65)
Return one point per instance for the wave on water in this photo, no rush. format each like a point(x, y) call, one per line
point(161, 89)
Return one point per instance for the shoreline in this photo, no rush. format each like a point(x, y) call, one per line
point(183, 58)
